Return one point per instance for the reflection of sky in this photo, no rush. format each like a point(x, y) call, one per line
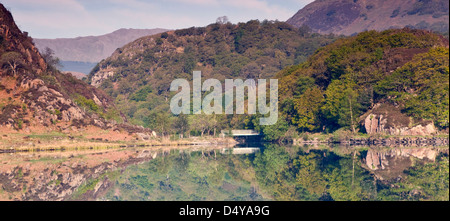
point(73, 18)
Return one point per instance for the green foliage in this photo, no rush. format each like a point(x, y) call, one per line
point(277, 131)
point(181, 124)
point(429, 181)
point(141, 94)
point(88, 104)
point(144, 71)
point(422, 85)
point(343, 80)
point(307, 109)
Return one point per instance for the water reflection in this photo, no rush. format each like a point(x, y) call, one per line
point(254, 172)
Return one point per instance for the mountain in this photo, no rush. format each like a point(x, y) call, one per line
point(34, 96)
point(92, 48)
point(348, 17)
point(139, 74)
point(394, 82)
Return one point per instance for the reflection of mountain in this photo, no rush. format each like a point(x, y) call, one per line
point(274, 173)
point(60, 176)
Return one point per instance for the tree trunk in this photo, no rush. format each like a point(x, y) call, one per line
point(351, 114)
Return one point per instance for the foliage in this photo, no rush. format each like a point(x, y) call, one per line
point(426, 76)
point(88, 104)
point(144, 69)
point(343, 80)
point(428, 181)
point(307, 109)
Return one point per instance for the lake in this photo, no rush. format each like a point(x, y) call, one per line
point(254, 172)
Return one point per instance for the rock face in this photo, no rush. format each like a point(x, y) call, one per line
point(39, 95)
point(349, 16)
point(387, 119)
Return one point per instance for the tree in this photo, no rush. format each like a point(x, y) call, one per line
point(159, 121)
point(341, 106)
point(52, 61)
point(307, 109)
point(222, 20)
point(203, 123)
point(181, 124)
point(13, 60)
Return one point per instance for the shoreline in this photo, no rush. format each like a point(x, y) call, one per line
point(379, 141)
point(66, 145)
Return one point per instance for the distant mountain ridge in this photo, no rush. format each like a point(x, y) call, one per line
point(353, 16)
point(93, 48)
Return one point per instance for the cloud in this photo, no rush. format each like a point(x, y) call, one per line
point(270, 11)
point(72, 18)
point(199, 2)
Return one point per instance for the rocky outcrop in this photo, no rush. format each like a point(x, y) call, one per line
point(376, 124)
point(101, 76)
point(39, 95)
point(387, 119)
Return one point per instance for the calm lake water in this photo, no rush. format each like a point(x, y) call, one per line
point(255, 173)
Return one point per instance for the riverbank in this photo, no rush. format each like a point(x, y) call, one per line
point(92, 138)
point(51, 141)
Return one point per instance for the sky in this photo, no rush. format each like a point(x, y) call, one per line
point(75, 18)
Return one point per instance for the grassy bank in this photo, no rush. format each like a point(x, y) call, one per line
point(52, 141)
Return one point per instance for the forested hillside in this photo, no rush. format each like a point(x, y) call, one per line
point(139, 75)
point(401, 73)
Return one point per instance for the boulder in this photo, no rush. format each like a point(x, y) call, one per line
point(388, 120)
point(143, 136)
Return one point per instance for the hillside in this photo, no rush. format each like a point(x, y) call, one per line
point(353, 16)
point(92, 48)
point(392, 82)
point(138, 75)
point(34, 96)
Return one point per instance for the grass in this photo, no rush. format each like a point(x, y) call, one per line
point(49, 160)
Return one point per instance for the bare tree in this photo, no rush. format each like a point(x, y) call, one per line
point(13, 60)
point(222, 20)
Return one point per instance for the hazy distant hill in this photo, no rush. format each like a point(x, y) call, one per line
point(353, 16)
point(93, 48)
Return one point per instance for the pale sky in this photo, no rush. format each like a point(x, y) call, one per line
point(74, 18)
